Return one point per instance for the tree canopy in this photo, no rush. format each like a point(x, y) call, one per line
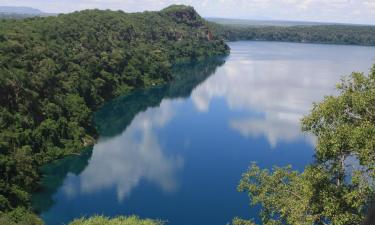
point(338, 188)
point(132, 220)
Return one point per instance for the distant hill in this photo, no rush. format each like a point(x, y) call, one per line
point(292, 31)
point(19, 12)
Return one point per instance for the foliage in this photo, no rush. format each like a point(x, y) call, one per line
point(338, 187)
point(99, 220)
point(327, 34)
point(55, 71)
point(20, 216)
point(239, 221)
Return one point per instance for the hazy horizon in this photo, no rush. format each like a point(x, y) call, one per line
point(334, 11)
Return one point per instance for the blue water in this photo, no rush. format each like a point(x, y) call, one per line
point(177, 152)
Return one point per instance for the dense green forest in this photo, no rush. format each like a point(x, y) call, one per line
point(55, 71)
point(327, 34)
point(338, 188)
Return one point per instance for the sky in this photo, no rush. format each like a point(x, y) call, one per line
point(341, 11)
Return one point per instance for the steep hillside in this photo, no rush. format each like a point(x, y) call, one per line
point(55, 71)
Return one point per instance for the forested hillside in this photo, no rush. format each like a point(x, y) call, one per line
point(327, 34)
point(55, 71)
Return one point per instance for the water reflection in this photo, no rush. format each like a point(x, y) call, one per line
point(115, 116)
point(177, 152)
point(55, 174)
point(276, 84)
point(122, 161)
point(128, 150)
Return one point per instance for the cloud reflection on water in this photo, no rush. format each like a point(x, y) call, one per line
point(280, 87)
point(135, 155)
point(273, 89)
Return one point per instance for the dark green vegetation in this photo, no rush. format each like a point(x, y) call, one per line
point(327, 34)
point(55, 71)
point(19, 216)
point(339, 187)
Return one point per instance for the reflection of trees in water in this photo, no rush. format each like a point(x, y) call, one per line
point(115, 116)
point(54, 175)
point(121, 162)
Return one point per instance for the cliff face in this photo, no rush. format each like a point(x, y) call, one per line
point(187, 15)
point(182, 14)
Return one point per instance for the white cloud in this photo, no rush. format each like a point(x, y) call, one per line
point(346, 11)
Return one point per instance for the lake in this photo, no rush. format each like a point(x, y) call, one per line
point(177, 152)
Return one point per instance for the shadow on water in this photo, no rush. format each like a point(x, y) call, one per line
point(54, 175)
point(114, 117)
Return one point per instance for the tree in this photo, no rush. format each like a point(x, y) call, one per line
point(338, 188)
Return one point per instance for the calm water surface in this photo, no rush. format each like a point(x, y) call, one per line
point(177, 152)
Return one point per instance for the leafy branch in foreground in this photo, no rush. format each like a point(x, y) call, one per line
point(338, 187)
point(131, 220)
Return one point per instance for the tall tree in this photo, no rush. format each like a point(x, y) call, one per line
point(338, 188)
